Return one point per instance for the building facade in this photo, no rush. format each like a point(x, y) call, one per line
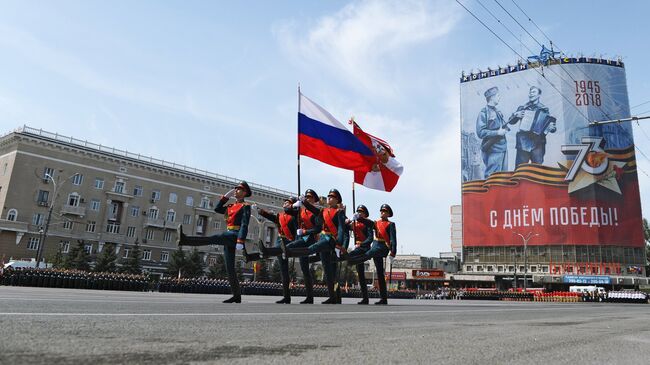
point(456, 212)
point(57, 190)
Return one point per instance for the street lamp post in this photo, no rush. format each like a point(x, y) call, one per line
point(43, 233)
point(514, 256)
point(526, 239)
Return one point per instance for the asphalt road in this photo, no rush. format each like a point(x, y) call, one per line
point(67, 326)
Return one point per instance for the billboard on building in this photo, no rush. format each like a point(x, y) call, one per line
point(531, 163)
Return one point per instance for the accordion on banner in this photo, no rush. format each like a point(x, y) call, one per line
point(386, 170)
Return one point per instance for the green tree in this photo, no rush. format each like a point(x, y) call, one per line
point(58, 261)
point(106, 262)
point(177, 263)
point(78, 258)
point(276, 271)
point(646, 235)
point(194, 264)
point(132, 264)
point(218, 270)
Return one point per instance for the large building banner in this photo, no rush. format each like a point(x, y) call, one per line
point(531, 163)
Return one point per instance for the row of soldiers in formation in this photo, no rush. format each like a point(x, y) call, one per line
point(73, 279)
point(310, 232)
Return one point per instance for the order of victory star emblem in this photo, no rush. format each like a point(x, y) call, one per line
point(591, 165)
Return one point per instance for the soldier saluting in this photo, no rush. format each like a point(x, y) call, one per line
point(385, 243)
point(287, 225)
point(237, 216)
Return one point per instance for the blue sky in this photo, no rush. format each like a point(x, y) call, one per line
point(196, 82)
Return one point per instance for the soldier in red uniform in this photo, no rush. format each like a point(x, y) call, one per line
point(385, 243)
point(330, 238)
point(362, 240)
point(237, 216)
point(287, 225)
point(308, 230)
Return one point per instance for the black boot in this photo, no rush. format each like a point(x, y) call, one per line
point(338, 294)
point(285, 300)
point(297, 252)
point(308, 300)
point(251, 257)
point(234, 299)
point(382, 302)
point(363, 301)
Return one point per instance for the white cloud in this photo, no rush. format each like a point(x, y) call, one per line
point(363, 43)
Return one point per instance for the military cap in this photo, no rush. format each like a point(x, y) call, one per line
point(491, 92)
point(244, 185)
point(335, 193)
point(387, 208)
point(362, 208)
point(312, 193)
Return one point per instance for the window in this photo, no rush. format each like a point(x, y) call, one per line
point(137, 190)
point(77, 179)
point(150, 234)
point(173, 198)
point(187, 219)
point(189, 201)
point(135, 211)
point(113, 228)
point(32, 245)
point(119, 187)
point(217, 224)
point(164, 256)
point(73, 200)
point(469, 268)
point(12, 215)
point(155, 195)
point(113, 211)
point(99, 183)
point(94, 204)
point(43, 197)
point(37, 219)
point(65, 246)
point(68, 225)
point(48, 173)
point(167, 236)
point(130, 231)
point(90, 226)
point(153, 213)
point(205, 202)
point(126, 252)
point(171, 216)
point(88, 248)
point(146, 255)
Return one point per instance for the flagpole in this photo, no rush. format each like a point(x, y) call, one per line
point(298, 144)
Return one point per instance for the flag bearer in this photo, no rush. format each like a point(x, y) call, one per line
point(237, 216)
point(331, 237)
point(362, 240)
point(385, 243)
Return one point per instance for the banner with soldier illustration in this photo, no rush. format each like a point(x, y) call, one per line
point(531, 162)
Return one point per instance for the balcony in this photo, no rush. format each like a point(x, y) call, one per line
point(6, 225)
point(112, 193)
point(69, 209)
point(155, 222)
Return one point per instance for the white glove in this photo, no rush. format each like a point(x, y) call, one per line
point(239, 246)
point(391, 259)
point(356, 216)
point(301, 198)
point(300, 232)
point(229, 194)
point(338, 252)
point(254, 206)
point(297, 204)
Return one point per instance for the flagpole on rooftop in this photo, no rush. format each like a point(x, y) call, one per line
point(298, 140)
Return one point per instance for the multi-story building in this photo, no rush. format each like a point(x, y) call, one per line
point(57, 190)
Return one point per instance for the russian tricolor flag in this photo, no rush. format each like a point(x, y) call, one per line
point(322, 137)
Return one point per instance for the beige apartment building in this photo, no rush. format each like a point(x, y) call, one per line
point(103, 195)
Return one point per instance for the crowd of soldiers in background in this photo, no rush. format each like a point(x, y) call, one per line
point(77, 279)
point(73, 279)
